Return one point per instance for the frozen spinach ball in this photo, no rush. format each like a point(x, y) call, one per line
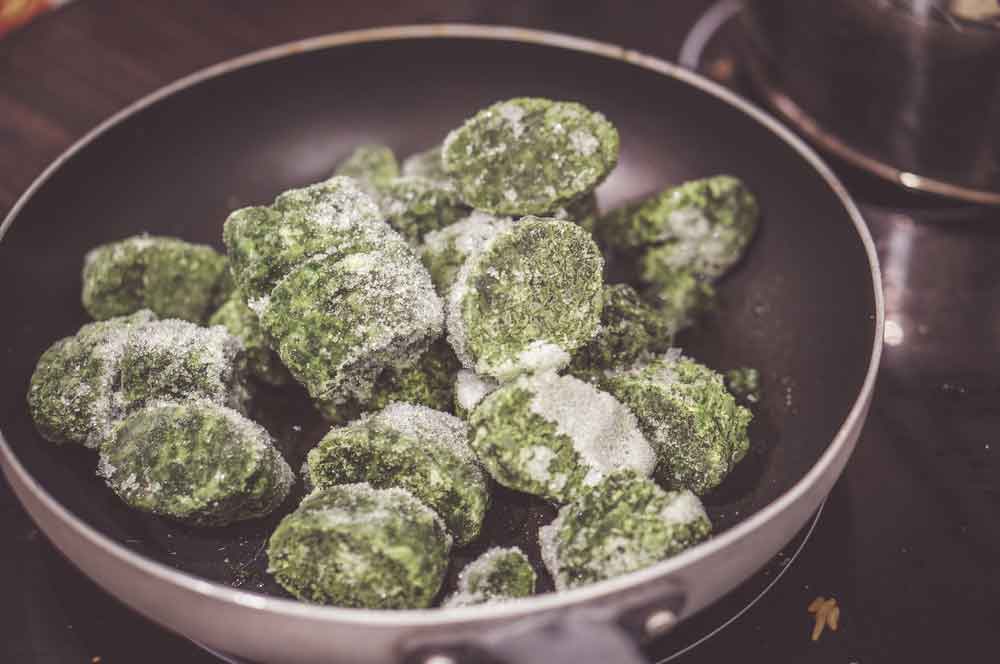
point(444, 251)
point(630, 330)
point(416, 205)
point(530, 155)
point(496, 576)
point(622, 524)
point(72, 396)
point(701, 226)
point(196, 462)
point(332, 219)
point(356, 546)
point(697, 429)
point(338, 324)
point(170, 277)
point(241, 322)
point(175, 360)
point(527, 299)
point(372, 165)
point(426, 164)
point(412, 447)
point(552, 435)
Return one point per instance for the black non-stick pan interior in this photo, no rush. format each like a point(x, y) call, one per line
point(800, 307)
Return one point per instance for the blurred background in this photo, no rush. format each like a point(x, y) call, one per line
point(901, 96)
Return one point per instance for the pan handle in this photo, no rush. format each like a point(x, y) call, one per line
point(564, 640)
point(610, 632)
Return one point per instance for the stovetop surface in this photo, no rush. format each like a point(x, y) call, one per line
point(908, 542)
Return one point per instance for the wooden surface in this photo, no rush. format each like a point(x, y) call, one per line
point(67, 71)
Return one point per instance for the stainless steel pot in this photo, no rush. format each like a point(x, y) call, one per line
point(906, 89)
point(805, 307)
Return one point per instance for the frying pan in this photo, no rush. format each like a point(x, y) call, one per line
point(804, 307)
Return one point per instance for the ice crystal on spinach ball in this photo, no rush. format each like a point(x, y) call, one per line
point(697, 429)
point(331, 219)
point(241, 322)
point(552, 435)
point(530, 155)
point(196, 462)
point(337, 324)
point(444, 251)
point(72, 396)
point(170, 277)
point(630, 330)
point(356, 546)
point(372, 165)
point(496, 576)
point(622, 524)
point(412, 447)
point(527, 299)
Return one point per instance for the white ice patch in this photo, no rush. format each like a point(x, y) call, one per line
point(684, 508)
point(604, 432)
point(539, 356)
point(512, 114)
point(471, 388)
point(535, 461)
point(583, 142)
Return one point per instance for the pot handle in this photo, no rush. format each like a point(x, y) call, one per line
point(588, 634)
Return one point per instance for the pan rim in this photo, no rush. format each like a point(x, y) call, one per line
point(443, 616)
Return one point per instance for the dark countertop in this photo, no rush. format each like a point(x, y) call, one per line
point(909, 541)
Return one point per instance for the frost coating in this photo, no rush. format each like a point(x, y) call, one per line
point(527, 299)
point(622, 524)
point(196, 462)
point(170, 277)
point(550, 435)
point(241, 322)
point(355, 546)
point(498, 575)
point(444, 251)
point(412, 447)
point(338, 324)
point(695, 425)
point(333, 219)
point(529, 155)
